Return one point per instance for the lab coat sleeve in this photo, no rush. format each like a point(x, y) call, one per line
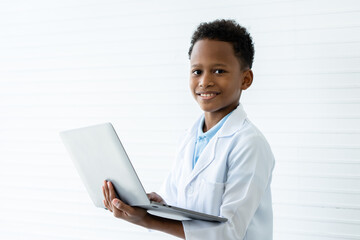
point(168, 190)
point(250, 165)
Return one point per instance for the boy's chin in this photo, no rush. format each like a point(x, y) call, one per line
point(209, 109)
point(217, 109)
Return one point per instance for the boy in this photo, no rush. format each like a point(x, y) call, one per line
point(224, 164)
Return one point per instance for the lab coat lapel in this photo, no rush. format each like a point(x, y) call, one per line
point(205, 158)
point(189, 148)
point(188, 156)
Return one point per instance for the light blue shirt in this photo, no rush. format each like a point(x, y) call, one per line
point(202, 139)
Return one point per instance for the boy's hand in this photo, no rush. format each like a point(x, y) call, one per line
point(155, 197)
point(140, 216)
point(120, 209)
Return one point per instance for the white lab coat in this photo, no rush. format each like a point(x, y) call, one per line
point(231, 179)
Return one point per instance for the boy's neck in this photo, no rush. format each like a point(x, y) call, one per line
point(212, 118)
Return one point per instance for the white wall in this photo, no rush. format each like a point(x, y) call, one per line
point(65, 64)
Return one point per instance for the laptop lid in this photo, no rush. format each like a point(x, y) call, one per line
point(98, 155)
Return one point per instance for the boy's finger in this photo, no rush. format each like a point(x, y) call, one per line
point(107, 205)
point(106, 190)
point(122, 206)
point(105, 198)
point(155, 197)
point(107, 194)
point(111, 191)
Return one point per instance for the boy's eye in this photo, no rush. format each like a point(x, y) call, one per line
point(219, 71)
point(197, 72)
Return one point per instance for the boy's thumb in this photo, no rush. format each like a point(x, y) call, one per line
point(116, 203)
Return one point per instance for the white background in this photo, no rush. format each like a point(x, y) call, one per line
point(67, 64)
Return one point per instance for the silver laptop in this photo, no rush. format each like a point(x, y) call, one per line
point(98, 155)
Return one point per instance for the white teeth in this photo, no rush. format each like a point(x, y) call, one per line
point(207, 94)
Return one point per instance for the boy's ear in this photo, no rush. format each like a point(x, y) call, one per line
point(247, 79)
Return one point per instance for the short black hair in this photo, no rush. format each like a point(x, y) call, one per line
point(227, 31)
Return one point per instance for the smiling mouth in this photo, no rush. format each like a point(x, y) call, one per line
point(207, 95)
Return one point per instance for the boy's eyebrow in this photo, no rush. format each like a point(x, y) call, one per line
point(219, 65)
point(215, 65)
point(195, 65)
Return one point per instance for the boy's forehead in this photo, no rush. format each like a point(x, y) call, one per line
point(212, 50)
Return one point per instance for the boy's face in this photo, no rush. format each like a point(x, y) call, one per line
point(216, 78)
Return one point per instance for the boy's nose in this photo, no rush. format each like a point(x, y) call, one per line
point(206, 81)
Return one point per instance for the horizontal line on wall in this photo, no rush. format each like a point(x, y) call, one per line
point(38, 102)
point(179, 87)
point(5, 91)
point(43, 188)
point(111, 106)
point(319, 205)
point(105, 42)
point(317, 132)
point(38, 177)
point(112, 29)
point(66, 164)
point(295, 59)
point(63, 154)
point(86, 203)
point(103, 81)
point(344, 147)
point(118, 66)
point(55, 143)
point(305, 73)
point(142, 13)
point(187, 10)
point(317, 161)
point(185, 64)
point(116, 42)
point(177, 102)
point(166, 53)
point(41, 199)
point(290, 44)
point(319, 234)
point(180, 91)
point(218, 6)
point(281, 160)
point(9, 233)
point(17, 149)
point(265, 75)
point(45, 176)
point(274, 145)
point(333, 87)
point(307, 29)
point(300, 116)
point(332, 176)
point(110, 54)
point(318, 190)
point(71, 225)
point(313, 219)
point(149, 131)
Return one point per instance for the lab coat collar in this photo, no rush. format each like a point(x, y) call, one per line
point(231, 125)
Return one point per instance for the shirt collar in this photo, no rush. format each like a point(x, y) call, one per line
point(233, 123)
point(212, 131)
